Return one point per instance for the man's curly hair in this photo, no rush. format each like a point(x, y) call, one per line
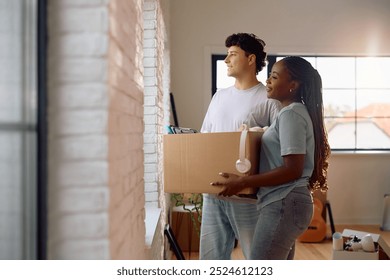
point(251, 44)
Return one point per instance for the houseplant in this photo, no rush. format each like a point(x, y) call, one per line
point(192, 204)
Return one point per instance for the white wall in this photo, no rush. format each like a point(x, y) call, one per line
point(334, 27)
point(357, 184)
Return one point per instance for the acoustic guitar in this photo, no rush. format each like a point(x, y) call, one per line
point(316, 232)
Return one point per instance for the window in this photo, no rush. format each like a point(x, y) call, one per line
point(356, 98)
point(219, 77)
point(18, 130)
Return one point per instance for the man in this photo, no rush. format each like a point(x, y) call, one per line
point(226, 219)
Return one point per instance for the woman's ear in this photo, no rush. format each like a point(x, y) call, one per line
point(294, 85)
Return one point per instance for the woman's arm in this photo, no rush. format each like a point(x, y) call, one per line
point(290, 171)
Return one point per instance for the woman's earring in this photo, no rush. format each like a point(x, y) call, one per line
point(291, 90)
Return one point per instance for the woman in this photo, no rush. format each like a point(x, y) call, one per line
point(293, 160)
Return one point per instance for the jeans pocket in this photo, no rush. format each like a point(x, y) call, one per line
point(303, 212)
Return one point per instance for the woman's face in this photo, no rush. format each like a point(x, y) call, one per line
point(280, 86)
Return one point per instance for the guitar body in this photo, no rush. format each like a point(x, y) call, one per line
point(316, 232)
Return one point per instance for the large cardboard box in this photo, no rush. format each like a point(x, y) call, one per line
point(193, 161)
point(382, 252)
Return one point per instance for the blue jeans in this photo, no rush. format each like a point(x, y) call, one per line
point(280, 223)
point(223, 222)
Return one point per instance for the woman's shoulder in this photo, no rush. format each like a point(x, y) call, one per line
point(295, 109)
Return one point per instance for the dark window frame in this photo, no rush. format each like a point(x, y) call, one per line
point(42, 128)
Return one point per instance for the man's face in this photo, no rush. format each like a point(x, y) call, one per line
point(236, 61)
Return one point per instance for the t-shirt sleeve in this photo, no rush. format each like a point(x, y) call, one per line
point(207, 125)
point(264, 114)
point(292, 131)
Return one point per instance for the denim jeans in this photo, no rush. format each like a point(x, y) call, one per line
point(280, 223)
point(222, 222)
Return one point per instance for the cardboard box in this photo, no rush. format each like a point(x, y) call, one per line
point(193, 161)
point(382, 252)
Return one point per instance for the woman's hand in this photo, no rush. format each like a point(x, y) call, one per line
point(231, 186)
point(290, 171)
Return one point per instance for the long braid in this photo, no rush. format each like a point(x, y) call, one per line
point(310, 93)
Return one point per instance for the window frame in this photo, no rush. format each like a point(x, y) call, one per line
point(42, 132)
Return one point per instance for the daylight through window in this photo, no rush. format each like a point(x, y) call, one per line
point(356, 98)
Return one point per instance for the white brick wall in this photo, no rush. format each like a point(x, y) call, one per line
point(153, 106)
point(156, 65)
point(78, 117)
point(96, 165)
point(126, 126)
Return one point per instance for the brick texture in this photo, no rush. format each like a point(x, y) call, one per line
point(125, 82)
point(96, 163)
point(107, 90)
point(156, 82)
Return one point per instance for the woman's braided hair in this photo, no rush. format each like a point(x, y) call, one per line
point(309, 93)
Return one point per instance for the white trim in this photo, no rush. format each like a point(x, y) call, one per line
point(152, 216)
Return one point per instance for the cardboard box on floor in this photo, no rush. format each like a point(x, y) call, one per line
point(193, 161)
point(382, 253)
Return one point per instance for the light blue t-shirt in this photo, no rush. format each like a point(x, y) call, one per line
point(291, 133)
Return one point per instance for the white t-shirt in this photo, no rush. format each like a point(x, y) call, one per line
point(231, 107)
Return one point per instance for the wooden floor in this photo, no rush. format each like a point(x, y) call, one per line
point(312, 251)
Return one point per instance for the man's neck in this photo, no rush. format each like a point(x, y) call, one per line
point(243, 84)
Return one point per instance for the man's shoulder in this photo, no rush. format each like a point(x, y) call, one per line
point(224, 91)
point(270, 103)
point(274, 103)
